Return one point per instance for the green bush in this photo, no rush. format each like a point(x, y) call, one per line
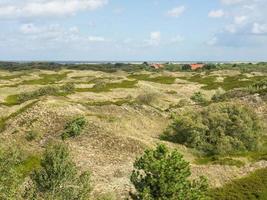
point(199, 98)
point(31, 135)
point(218, 129)
point(58, 177)
point(163, 175)
point(74, 128)
point(252, 187)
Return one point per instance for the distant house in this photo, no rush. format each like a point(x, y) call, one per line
point(196, 66)
point(157, 66)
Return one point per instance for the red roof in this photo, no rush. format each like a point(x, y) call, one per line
point(157, 66)
point(196, 66)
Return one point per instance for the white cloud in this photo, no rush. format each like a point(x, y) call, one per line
point(154, 39)
point(216, 13)
point(48, 8)
point(176, 12)
point(212, 41)
point(96, 39)
point(240, 19)
point(259, 28)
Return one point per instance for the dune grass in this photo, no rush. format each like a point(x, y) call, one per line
point(46, 79)
point(107, 87)
point(158, 79)
point(229, 82)
point(251, 187)
point(4, 120)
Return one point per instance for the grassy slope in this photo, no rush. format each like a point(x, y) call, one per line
point(252, 187)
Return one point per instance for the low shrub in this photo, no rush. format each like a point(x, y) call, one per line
point(218, 129)
point(74, 128)
point(199, 98)
point(251, 187)
point(58, 177)
point(31, 135)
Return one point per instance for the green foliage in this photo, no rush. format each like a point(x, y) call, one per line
point(157, 79)
point(9, 178)
point(186, 67)
point(14, 167)
point(252, 187)
point(209, 66)
point(229, 82)
point(199, 98)
point(46, 79)
point(47, 90)
point(74, 128)
point(31, 135)
point(221, 128)
point(107, 87)
point(58, 177)
point(215, 160)
point(163, 175)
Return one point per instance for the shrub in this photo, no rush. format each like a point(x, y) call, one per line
point(162, 175)
point(31, 135)
point(58, 177)
point(217, 129)
point(9, 177)
point(199, 98)
point(74, 128)
point(209, 66)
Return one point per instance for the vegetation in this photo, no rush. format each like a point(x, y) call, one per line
point(161, 174)
point(216, 160)
point(146, 98)
point(107, 87)
point(252, 187)
point(74, 128)
point(157, 79)
point(4, 120)
point(218, 129)
point(31, 135)
point(14, 167)
point(66, 89)
point(230, 82)
point(199, 98)
point(58, 177)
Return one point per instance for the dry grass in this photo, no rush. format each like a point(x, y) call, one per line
point(118, 128)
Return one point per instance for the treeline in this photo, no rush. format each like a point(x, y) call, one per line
point(110, 67)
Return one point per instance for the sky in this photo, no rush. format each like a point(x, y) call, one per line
point(133, 30)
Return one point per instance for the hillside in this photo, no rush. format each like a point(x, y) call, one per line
point(125, 113)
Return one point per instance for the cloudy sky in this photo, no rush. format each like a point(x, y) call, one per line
point(133, 30)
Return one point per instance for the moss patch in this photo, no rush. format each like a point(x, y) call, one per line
point(229, 82)
point(158, 79)
point(107, 87)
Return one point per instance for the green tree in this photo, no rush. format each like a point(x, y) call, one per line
point(58, 178)
point(163, 175)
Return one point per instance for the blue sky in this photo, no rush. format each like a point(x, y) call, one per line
point(133, 30)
